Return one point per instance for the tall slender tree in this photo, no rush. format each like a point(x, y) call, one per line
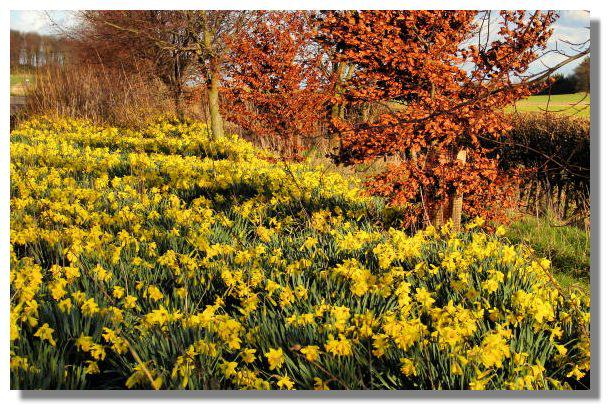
point(581, 75)
point(210, 31)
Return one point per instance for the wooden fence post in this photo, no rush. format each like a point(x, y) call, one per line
point(457, 202)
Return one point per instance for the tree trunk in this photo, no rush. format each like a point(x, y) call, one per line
point(178, 103)
point(558, 202)
point(336, 112)
point(566, 201)
point(212, 66)
point(450, 208)
point(457, 200)
point(217, 130)
point(433, 211)
point(343, 72)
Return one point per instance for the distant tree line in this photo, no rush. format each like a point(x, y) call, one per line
point(577, 81)
point(31, 50)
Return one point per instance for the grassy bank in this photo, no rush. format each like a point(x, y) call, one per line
point(567, 247)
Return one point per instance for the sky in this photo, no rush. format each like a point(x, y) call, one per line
point(572, 26)
point(39, 21)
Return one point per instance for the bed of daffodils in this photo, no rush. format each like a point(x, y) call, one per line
point(162, 259)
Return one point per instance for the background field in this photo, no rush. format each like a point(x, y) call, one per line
point(565, 104)
point(18, 81)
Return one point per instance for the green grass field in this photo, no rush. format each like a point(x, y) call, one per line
point(567, 247)
point(18, 80)
point(566, 104)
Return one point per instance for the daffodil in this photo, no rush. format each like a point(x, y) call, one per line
point(285, 383)
point(248, 355)
point(45, 332)
point(408, 367)
point(339, 347)
point(228, 369)
point(200, 251)
point(310, 352)
point(275, 357)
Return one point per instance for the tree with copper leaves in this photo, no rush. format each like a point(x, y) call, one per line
point(450, 74)
point(275, 86)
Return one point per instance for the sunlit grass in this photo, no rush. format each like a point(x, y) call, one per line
point(19, 81)
point(567, 247)
point(565, 104)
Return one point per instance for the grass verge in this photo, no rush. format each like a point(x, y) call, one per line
point(567, 247)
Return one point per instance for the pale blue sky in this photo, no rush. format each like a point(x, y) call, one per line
point(572, 26)
point(38, 20)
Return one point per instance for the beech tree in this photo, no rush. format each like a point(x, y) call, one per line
point(276, 87)
point(450, 80)
point(423, 89)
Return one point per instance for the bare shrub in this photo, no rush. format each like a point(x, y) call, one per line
point(103, 95)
